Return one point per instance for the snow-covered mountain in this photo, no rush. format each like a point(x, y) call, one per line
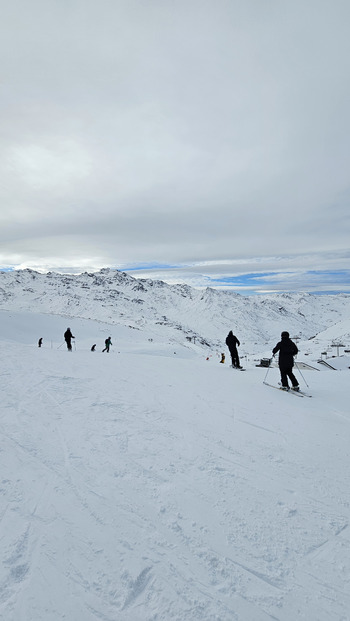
point(179, 311)
point(147, 486)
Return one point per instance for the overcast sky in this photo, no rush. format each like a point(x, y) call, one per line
point(195, 141)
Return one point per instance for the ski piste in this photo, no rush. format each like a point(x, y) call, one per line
point(297, 393)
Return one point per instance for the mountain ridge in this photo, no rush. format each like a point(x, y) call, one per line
point(206, 315)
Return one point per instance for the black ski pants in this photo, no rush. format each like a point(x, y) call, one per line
point(285, 373)
point(234, 356)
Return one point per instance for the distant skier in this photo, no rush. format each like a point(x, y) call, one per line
point(287, 350)
point(222, 359)
point(93, 347)
point(68, 336)
point(232, 342)
point(108, 343)
point(40, 342)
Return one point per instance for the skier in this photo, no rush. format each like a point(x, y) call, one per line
point(40, 342)
point(68, 336)
point(93, 347)
point(108, 343)
point(232, 342)
point(287, 350)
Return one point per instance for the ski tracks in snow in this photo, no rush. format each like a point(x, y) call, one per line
point(151, 490)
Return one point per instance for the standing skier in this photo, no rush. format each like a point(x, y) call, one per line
point(40, 342)
point(232, 342)
point(68, 336)
point(287, 350)
point(108, 343)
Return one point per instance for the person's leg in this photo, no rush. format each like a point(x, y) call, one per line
point(284, 378)
point(235, 359)
point(292, 378)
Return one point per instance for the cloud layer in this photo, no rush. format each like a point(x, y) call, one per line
point(177, 133)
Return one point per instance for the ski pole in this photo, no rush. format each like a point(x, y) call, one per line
point(296, 364)
point(268, 368)
point(60, 345)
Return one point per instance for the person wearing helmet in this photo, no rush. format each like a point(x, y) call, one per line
point(108, 343)
point(287, 350)
point(232, 342)
point(68, 336)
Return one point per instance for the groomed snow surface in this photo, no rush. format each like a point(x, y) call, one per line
point(151, 484)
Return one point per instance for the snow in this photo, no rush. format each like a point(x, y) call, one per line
point(154, 484)
point(116, 298)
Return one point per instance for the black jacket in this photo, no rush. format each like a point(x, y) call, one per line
point(287, 350)
point(232, 341)
point(68, 335)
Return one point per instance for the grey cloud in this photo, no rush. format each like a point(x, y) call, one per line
point(173, 132)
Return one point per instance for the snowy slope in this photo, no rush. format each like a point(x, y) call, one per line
point(152, 484)
point(176, 311)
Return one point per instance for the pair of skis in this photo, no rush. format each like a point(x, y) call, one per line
point(297, 393)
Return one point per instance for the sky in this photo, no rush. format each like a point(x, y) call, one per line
point(191, 141)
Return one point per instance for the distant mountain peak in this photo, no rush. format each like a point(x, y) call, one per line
point(207, 315)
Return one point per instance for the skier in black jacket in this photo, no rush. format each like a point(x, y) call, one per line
point(232, 342)
point(287, 350)
point(68, 336)
point(108, 343)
